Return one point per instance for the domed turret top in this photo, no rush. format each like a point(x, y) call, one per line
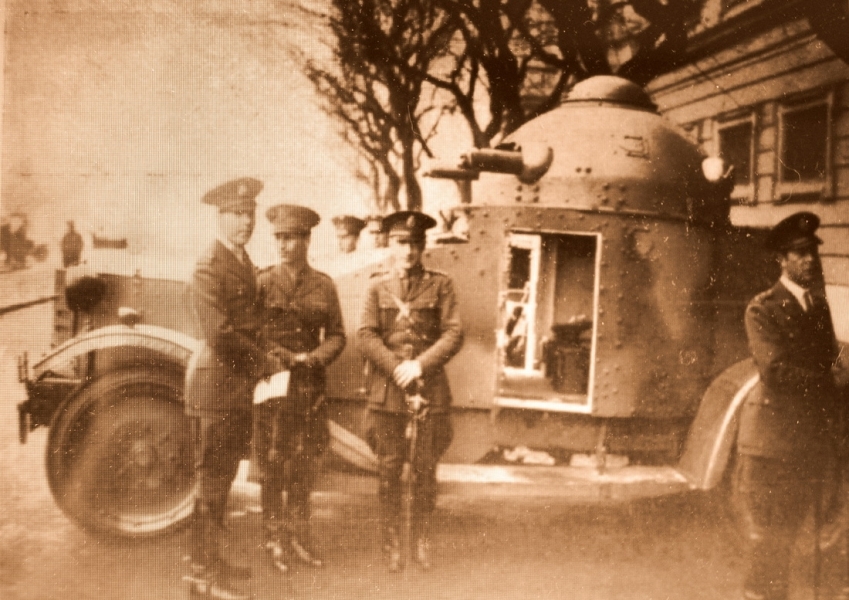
point(609, 88)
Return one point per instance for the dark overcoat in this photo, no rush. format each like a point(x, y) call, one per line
point(792, 413)
point(224, 370)
point(421, 322)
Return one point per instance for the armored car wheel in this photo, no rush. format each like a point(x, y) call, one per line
point(119, 455)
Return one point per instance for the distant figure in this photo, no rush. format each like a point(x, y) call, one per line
point(14, 240)
point(348, 230)
point(72, 246)
point(375, 226)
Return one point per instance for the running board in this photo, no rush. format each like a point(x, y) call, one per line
point(581, 484)
point(572, 484)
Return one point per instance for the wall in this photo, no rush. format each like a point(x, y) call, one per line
point(774, 62)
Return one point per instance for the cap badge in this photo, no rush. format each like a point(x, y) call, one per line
point(411, 221)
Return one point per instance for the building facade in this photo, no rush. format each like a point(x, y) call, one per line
point(762, 90)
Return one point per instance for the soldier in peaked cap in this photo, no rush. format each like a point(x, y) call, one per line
point(348, 230)
point(409, 329)
point(304, 319)
point(221, 376)
point(787, 446)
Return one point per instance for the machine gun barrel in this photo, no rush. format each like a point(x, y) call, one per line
point(4, 310)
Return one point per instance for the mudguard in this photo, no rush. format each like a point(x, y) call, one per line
point(714, 430)
point(176, 346)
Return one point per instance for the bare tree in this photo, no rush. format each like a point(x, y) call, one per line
point(397, 65)
point(527, 52)
point(373, 84)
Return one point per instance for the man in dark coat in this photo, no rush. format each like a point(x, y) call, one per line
point(409, 330)
point(787, 439)
point(221, 377)
point(302, 316)
point(72, 246)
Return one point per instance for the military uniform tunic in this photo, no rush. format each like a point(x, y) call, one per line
point(786, 439)
point(413, 319)
point(223, 371)
point(227, 310)
point(303, 316)
point(419, 320)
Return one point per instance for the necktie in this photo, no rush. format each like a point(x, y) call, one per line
point(809, 301)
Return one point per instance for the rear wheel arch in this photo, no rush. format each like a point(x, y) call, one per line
point(712, 437)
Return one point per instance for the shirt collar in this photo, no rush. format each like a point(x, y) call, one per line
point(293, 273)
point(230, 246)
point(794, 288)
point(416, 271)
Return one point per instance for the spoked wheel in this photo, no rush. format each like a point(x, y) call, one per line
point(119, 456)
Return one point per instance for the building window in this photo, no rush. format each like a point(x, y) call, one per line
point(693, 132)
point(804, 153)
point(736, 145)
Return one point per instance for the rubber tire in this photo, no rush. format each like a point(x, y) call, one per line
point(119, 454)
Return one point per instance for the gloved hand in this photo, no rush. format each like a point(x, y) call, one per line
point(407, 372)
point(279, 359)
point(306, 359)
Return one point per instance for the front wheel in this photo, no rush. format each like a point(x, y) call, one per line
point(119, 455)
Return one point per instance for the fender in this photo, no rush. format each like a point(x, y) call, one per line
point(176, 346)
point(714, 430)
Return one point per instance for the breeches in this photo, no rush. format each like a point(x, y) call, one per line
point(220, 442)
point(387, 435)
point(287, 444)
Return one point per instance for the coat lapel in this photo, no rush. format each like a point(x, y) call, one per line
point(394, 287)
point(419, 285)
point(788, 301)
point(233, 266)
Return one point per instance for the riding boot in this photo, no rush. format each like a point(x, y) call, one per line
point(302, 546)
point(301, 542)
point(203, 539)
point(276, 543)
point(420, 540)
point(392, 549)
point(213, 589)
point(210, 577)
point(217, 529)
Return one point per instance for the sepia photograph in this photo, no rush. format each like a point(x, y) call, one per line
point(424, 299)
